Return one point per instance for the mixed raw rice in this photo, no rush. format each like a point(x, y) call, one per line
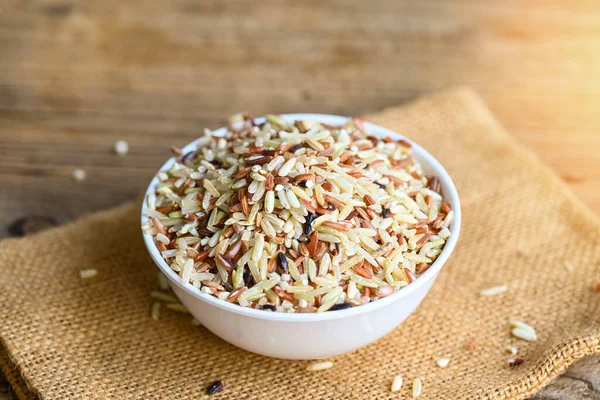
point(301, 217)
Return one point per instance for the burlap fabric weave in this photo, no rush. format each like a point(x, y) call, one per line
point(64, 338)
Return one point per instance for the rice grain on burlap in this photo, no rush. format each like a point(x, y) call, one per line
point(64, 338)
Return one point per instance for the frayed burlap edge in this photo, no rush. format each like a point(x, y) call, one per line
point(13, 376)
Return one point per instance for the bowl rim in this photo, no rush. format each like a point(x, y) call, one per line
point(379, 131)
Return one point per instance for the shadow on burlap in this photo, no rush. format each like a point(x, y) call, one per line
point(67, 339)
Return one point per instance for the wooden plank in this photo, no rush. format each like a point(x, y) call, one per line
point(75, 76)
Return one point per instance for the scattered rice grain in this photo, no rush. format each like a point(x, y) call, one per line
point(155, 311)
point(513, 362)
point(443, 362)
point(523, 330)
point(163, 297)
point(215, 387)
point(177, 308)
point(319, 366)
point(417, 388)
point(121, 147)
point(396, 384)
point(88, 273)
point(492, 291)
point(79, 175)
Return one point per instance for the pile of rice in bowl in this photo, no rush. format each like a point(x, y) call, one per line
point(301, 217)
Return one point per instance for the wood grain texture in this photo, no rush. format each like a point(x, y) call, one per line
point(75, 76)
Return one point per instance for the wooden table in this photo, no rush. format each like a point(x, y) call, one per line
point(75, 76)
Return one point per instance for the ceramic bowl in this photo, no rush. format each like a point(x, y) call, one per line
point(313, 335)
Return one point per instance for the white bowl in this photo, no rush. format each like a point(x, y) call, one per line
point(313, 335)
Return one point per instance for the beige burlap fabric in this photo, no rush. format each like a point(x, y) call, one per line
point(67, 339)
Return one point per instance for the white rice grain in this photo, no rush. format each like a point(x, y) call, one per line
point(88, 273)
point(286, 167)
point(492, 291)
point(155, 311)
point(319, 366)
point(443, 362)
point(79, 175)
point(121, 147)
point(396, 384)
point(417, 388)
point(524, 334)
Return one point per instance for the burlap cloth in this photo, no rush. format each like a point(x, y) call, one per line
point(67, 339)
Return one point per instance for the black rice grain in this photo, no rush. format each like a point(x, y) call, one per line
point(295, 148)
point(215, 387)
point(282, 261)
point(307, 224)
point(188, 157)
point(341, 306)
